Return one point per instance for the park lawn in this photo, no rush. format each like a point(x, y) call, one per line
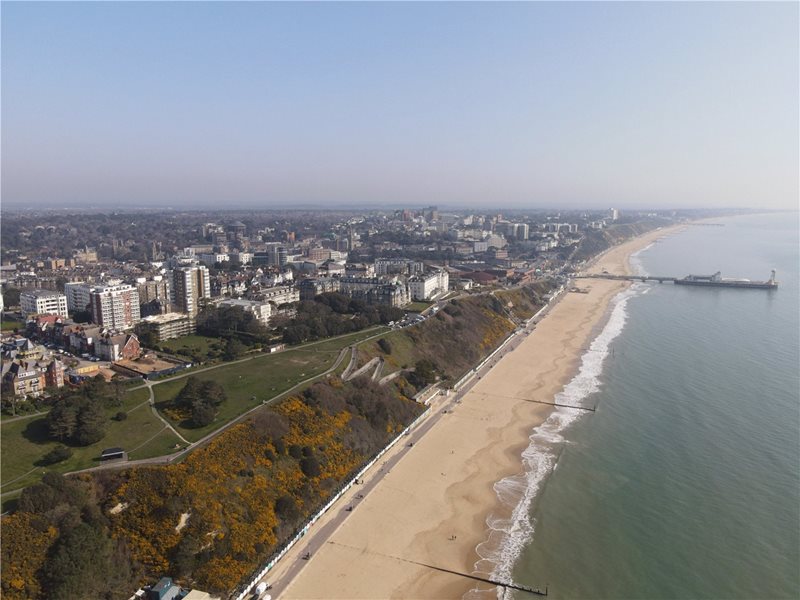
point(195, 344)
point(336, 344)
point(250, 383)
point(25, 442)
point(164, 442)
point(417, 306)
point(134, 397)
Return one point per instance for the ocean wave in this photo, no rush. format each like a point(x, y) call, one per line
point(508, 535)
point(636, 262)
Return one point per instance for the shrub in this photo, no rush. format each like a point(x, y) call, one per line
point(310, 467)
point(121, 416)
point(385, 346)
point(56, 455)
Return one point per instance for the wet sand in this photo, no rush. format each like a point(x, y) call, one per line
point(431, 508)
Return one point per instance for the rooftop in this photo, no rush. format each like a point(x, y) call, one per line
point(165, 318)
point(41, 293)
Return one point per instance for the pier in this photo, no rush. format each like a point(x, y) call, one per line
point(642, 278)
point(715, 280)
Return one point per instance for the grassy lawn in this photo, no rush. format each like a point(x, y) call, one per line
point(416, 306)
point(251, 382)
point(193, 344)
point(25, 442)
point(164, 442)
point(11, 325)
point(134, 397)
point(402, 352)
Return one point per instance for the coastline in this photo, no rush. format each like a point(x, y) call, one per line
point(431, 508)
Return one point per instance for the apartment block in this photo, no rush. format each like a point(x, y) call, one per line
point(189, 285)
point(115, 306)
point(426, 287)
point(260, 309)
point(77, 293)
point(168, 326)
point(36, 302)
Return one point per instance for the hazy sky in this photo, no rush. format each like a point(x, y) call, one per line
point(513, 105)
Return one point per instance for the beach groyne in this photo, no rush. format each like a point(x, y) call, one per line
point(433, 507)
point(273, 560)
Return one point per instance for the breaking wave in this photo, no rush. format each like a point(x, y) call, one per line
point(510, 534)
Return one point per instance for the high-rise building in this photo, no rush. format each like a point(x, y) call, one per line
point(40, 302)
point(189, 285)
point(77, 293)
point(115, 306)
point(154, 289)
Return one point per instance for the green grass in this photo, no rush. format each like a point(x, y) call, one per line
point(416, 306)
point(134, 397)
point(11, 325)
point(403, 352)
point(251, 382)
point(25, 442)
point(164, 442)
point(194, 344)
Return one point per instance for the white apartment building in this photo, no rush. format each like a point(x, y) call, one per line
point(260, 309)
point(213, 258)
point(430, 285)
point(167, 326)
point(115, 306)
point(37, 302)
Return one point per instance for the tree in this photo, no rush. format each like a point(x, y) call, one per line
point(200, 399)
point(286, 508)
point(79, 420)
point(189, 394)
point(310, 466)
point(385, 346)
point(11, 296)
point(424, 373)
point(56, 455)
point(91, 425)
point(203, 413)
point(213, 392)
point(233, 349)
point(62, 420)
point(79, 565)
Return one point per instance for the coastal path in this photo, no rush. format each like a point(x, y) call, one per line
point(292, 564)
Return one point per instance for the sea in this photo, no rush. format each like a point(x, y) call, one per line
point(685, 482)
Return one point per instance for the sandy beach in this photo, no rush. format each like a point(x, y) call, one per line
point(431, 508)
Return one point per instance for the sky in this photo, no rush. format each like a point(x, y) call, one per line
point(516, 105)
